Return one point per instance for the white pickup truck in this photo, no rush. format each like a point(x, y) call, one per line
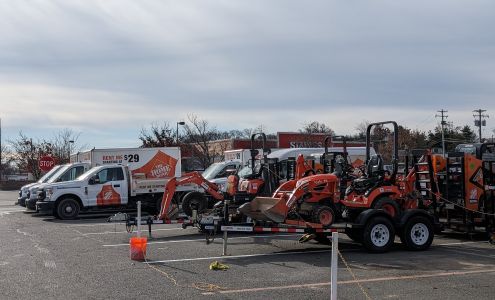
point(109, 186)
point(66, 172)
point(23, 192)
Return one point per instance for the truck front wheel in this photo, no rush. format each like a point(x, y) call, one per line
point(68, 209)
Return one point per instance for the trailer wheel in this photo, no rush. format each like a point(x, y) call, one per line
point(68, 209)
point(378, 235)
point(193, 199)
point(323, 215)
point(417, 234)
point(388, 205)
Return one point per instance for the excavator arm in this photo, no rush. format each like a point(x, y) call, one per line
point(189, 178)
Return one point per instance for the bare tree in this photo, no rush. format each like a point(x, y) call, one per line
point(199, 134)
point(158, 136)
point(27, 152)
point(361, 129)
point(62, 144)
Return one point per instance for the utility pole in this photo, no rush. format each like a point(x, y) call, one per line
point(443, 123)
point(480, 121)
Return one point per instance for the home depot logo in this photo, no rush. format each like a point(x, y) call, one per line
point(160, 171)
point(160, 166)
point(108, 195)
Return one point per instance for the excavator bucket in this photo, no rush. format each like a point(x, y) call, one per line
point(266, 209)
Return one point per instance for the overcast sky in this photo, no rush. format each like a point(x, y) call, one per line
point(107, 68)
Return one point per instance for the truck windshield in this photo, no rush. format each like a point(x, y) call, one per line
point(48, 175)
point(212, 171)
point(59, 173)
point(89, 173)
point(246, 171)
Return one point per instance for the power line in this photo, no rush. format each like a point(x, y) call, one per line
point(443, 123)
point(481, 120)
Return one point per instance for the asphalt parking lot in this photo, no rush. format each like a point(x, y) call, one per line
point(89, 259)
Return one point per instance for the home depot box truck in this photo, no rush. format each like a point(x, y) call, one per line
point(120, 178)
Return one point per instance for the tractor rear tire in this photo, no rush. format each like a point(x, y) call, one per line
point(193, 199)
point(323, 215)
point(390, 206)
point(378, 235)
point(417, 234)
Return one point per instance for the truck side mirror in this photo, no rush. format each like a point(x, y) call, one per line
point(94, 180)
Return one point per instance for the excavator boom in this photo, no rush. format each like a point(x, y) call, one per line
point(194, 178)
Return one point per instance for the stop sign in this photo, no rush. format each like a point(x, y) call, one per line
point(46, 163)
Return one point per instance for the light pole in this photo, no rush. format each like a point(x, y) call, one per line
point(70, 143)
point(31, 155)
point(181, 123)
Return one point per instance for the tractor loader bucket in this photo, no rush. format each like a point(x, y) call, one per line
point(265, 209)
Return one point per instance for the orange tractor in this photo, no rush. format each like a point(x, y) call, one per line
point(373, 209)
point(313, 198)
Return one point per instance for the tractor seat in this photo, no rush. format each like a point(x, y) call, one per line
point(375, 174)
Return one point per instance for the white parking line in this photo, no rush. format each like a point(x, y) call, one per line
point(461, 243)
point(202, 239)
point(471, 253)
point(319, 284)
point(235, 256)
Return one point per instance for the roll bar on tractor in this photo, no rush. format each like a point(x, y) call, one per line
point(255, 152)
point(328, 168)
point(395, 156)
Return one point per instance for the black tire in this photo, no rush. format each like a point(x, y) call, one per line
point(378, 235)
point(68, 209)
point(355, 234)
point(417, 234)
point(323, 215)
point(193, 198)
point(388, 205)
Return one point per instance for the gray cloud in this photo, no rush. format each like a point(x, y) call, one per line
point(242, 63)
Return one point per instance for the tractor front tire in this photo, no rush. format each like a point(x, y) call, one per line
point(323, 215)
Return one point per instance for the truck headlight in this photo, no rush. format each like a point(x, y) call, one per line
point(41, 195)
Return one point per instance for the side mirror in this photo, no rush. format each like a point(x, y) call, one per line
point(94, 180)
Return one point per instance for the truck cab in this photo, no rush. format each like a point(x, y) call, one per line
point(65, 173)
point(218, 172)
point(23, 192)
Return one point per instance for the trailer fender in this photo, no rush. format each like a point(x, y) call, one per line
point(418, 212)
point(365, 216)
